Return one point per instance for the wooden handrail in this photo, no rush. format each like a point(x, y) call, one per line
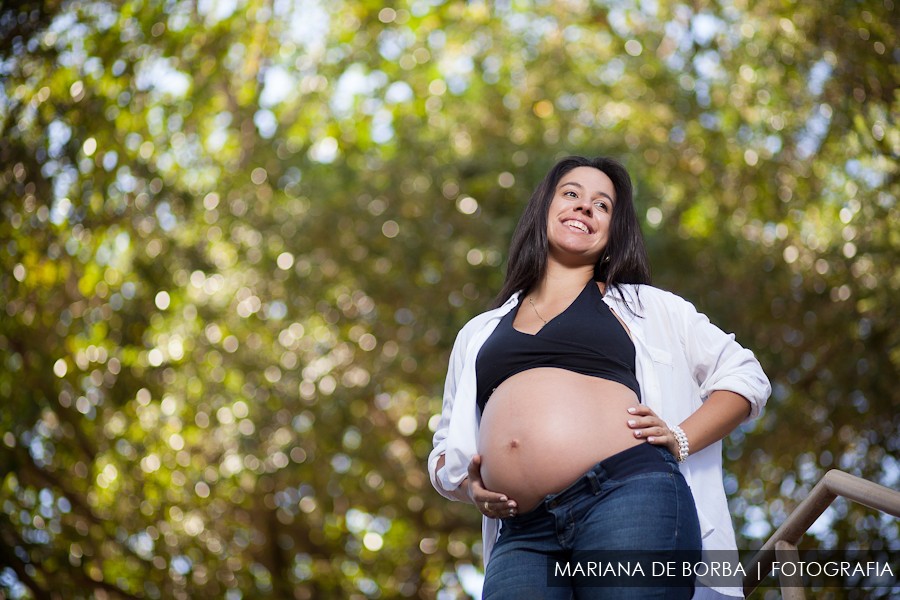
point(833, 484)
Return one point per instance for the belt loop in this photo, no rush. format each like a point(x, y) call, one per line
point(594, 478)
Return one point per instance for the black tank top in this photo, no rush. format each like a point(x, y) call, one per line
point(585, 338)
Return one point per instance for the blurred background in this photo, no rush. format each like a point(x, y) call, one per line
point(238, 238)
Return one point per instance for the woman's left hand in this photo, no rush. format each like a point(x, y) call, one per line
point(646, 425)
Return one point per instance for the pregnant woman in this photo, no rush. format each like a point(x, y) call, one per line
point(583, 409)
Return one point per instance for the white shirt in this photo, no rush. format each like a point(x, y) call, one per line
point(680, 359)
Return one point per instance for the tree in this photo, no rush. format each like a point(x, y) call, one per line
point(238, 243)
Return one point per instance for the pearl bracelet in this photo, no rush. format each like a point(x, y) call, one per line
point(684, 447)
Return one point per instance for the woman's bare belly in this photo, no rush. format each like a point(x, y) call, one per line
point(544, 428)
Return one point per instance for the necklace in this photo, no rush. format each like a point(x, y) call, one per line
point(534, 308)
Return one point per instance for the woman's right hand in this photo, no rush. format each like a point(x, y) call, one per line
point(491, 504)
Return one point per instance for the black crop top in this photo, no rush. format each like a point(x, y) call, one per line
point(586, 338)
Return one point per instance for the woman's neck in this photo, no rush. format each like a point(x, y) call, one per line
point(561, 282)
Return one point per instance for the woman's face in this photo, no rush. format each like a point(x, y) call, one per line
point(579, 216)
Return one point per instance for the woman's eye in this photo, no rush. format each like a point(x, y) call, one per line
point(600, 205)
point(570, 194)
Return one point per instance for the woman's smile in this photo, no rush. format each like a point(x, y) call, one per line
point(578, 225)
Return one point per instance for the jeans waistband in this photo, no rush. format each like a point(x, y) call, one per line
point(643, 458)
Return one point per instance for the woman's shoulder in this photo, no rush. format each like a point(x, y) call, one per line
point(480, 320)
point(644, 292)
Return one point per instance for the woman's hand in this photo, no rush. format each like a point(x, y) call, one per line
point(490, 504)
point(646, 425)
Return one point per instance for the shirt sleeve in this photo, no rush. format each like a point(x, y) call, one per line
point(439, 441)
point(718, 362)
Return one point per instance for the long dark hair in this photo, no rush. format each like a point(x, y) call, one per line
point(623, 261)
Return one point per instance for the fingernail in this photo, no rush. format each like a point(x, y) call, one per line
point(637, 434)
point(632, 410)
point(650, 439)
point(503, 498)
point(632, 422)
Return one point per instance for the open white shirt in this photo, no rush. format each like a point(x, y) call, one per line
point(680, 359)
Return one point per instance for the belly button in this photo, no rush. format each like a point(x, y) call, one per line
point(513, 444)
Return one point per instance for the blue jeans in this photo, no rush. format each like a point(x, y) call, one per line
point(632, 503)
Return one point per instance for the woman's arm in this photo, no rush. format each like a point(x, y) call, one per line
point(461, 492)
point(468, 487)
point(731, 383)
point(720, 364)
point(471, 489)
point(722, 412)
point(437, 457)
point(715, 419)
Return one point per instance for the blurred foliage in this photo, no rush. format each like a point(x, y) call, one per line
point(238, 239)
